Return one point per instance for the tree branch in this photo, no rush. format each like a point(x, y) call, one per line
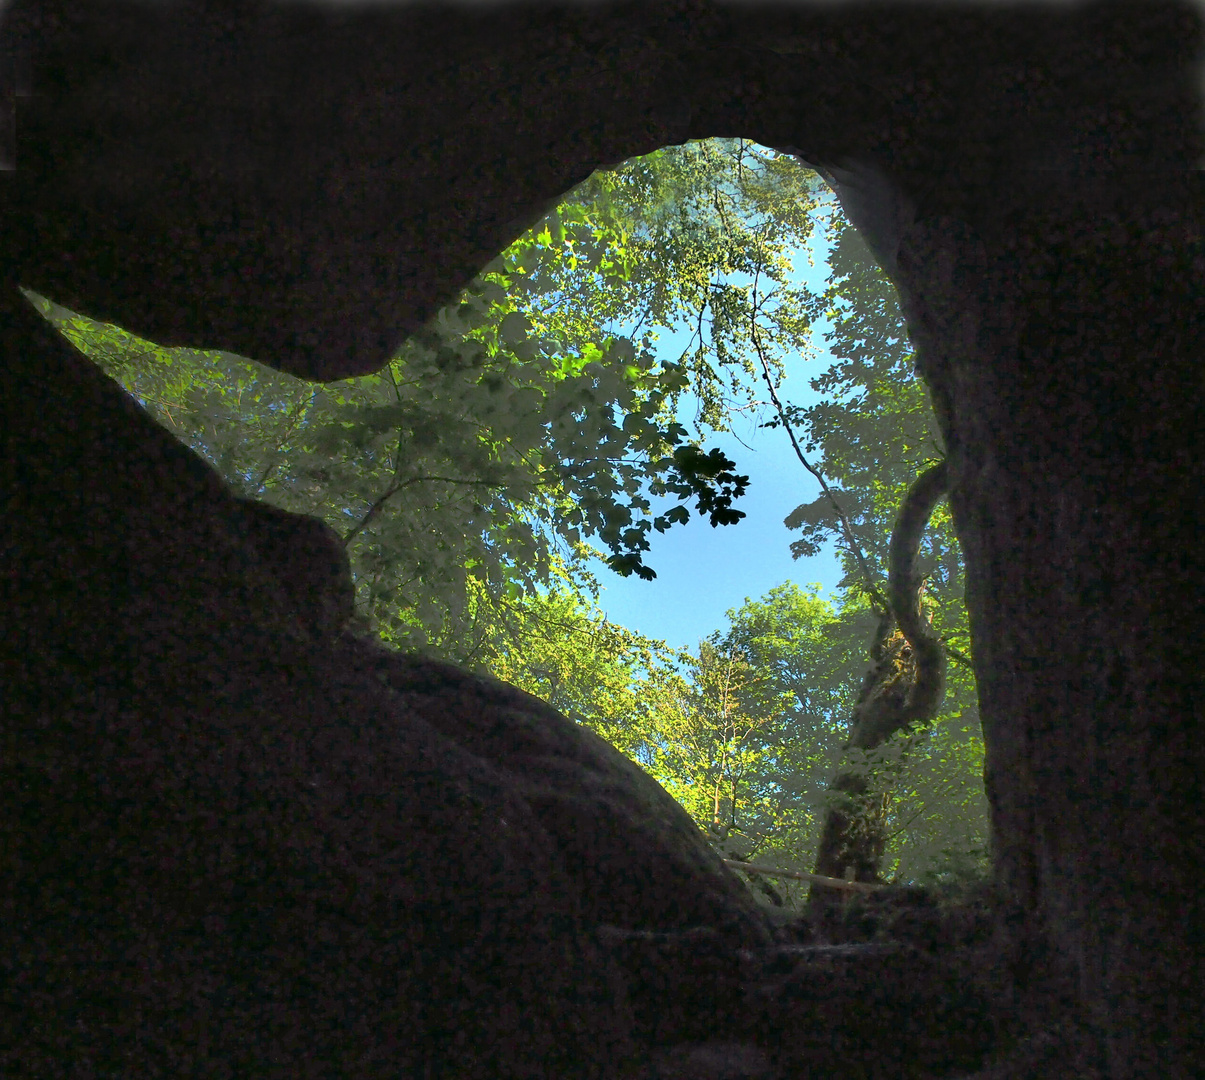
point(379, 504)
point(878, 601)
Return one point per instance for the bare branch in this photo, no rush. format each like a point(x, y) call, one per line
point(803, 875)
point(878, 601)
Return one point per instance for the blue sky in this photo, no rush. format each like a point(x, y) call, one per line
point(702, 572)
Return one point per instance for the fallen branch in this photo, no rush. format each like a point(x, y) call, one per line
point(804, 875)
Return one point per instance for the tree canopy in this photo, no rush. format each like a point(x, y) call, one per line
point(536, 425)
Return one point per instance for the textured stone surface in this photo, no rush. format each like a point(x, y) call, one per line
point(227, 853)
point(642, 862)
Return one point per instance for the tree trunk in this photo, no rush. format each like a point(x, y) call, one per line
point(904, 687)
point(1057, 321)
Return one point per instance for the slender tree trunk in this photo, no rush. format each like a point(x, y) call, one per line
point(904, 686)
